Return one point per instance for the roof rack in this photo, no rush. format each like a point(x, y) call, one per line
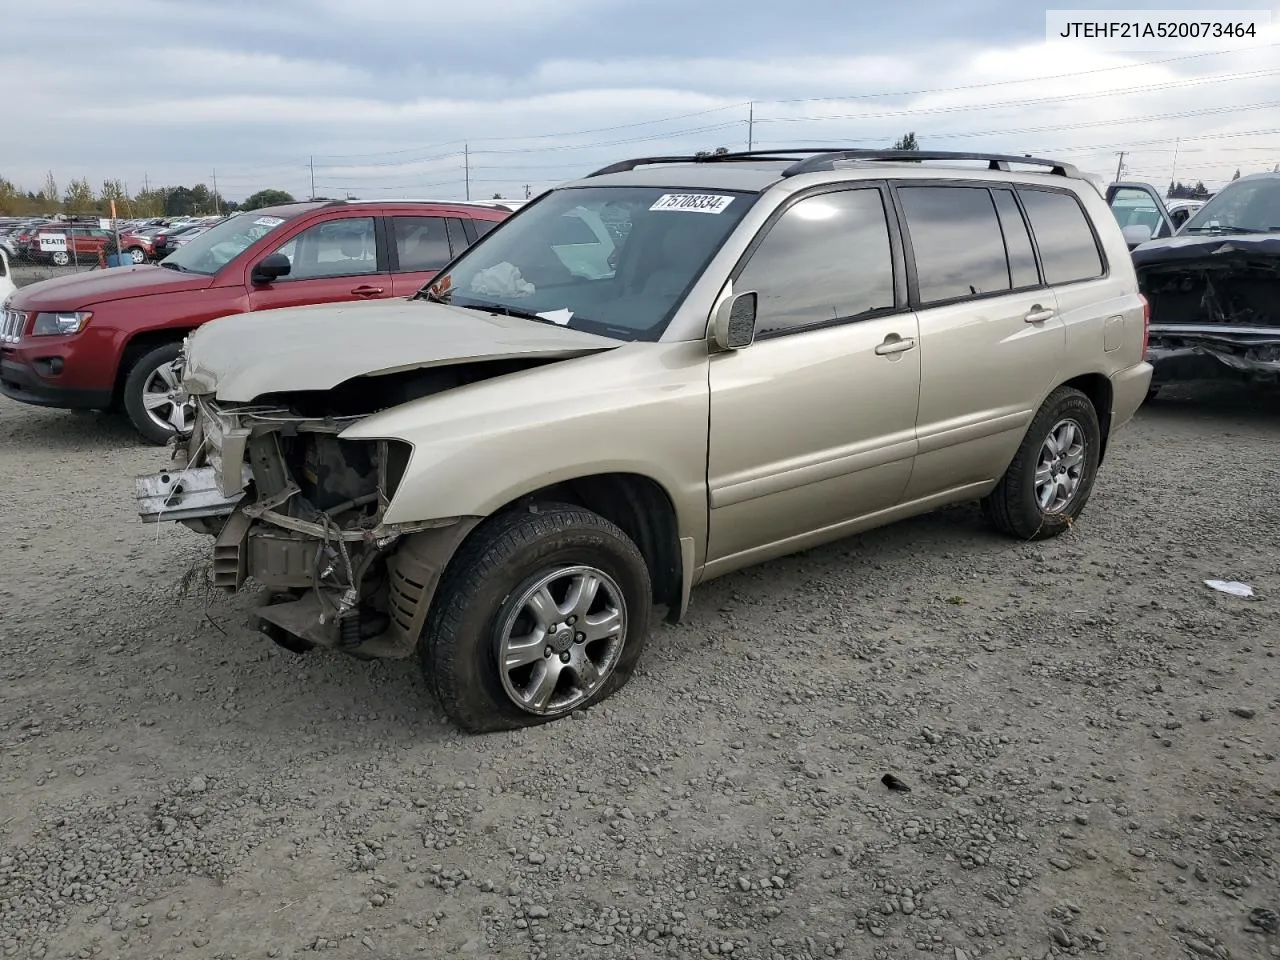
point(825, 158)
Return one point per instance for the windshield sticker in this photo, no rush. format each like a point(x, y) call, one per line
point(269, 221)
point(692, 202)
point(562, 316)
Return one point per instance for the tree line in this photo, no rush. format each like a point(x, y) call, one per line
point(80, 199)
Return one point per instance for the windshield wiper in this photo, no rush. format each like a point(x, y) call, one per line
point(509, 311)
point(1220, 229)
point(173, 266)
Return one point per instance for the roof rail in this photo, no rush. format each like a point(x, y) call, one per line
point(825, 158)
point(995, 161)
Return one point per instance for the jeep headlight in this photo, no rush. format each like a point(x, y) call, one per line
point(60, 323)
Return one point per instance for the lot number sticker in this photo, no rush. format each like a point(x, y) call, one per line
point(53, 242)
point(268, 221)
point(692, 202)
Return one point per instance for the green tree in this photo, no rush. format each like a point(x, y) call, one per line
point(13, 201)
point(497, 196)
point(79, 197)
point(49, 196)
point(266, 198)
point(906, 142)
point(114, 190)
point(149, 203)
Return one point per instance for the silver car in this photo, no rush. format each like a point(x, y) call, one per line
point(507, 474)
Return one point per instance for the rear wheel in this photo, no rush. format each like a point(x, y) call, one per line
point(61, 258)
point(151, 396)
point(539, 615)
point(138, 254)
point(1048, 483)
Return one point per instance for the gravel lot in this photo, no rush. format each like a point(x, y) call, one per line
point(1089, 734)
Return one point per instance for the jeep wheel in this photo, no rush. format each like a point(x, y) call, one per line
point(151, 396)
point(138, 254)
point(540, 614)
point(60, 258)
point(1048, 483)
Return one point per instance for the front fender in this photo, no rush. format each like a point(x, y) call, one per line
point(640, 409)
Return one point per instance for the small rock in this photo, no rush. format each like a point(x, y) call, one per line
point(538, 913)
point(744, 884)
point(197, 785)
point(1244, 713)
point(1062, 863)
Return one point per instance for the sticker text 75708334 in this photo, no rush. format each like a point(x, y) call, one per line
point(692, 202)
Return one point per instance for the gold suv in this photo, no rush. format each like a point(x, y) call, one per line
point(651, 376)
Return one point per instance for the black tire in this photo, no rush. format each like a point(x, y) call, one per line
point(1152, 393)
point(135, 385)
point(459, 648)
point(1012, 507)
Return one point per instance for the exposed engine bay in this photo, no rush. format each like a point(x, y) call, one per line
point(300, 511)
point(1214, 316)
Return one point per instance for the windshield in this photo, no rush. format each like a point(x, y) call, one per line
point(1244, 206)
point(610, 260)
point(211, 250)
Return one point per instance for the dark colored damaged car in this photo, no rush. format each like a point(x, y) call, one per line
point(1214, 288)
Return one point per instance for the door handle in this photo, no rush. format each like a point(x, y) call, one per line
point(367, 291)
point(895, 344)
point(1038, 314)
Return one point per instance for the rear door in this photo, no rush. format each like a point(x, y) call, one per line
point(420, 245)
point(991, 336)
point(337, 259)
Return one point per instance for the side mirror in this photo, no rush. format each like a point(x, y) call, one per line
point(1179, 217)
point(271, 267)
point(1136, 233)
point(734, 324)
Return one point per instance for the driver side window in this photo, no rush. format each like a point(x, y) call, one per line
point(335, 248)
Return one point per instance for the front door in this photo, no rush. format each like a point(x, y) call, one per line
point(330, 262)
point(813, 425)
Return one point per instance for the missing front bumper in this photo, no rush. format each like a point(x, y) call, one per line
point(190, 493)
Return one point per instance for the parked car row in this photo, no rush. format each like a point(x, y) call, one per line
point(107, 339)
point(82, 239)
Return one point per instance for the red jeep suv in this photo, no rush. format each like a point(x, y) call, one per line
point(107, 339)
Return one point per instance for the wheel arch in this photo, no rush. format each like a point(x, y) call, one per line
point(1097, 387)
point(135, 348)
point(639, 505)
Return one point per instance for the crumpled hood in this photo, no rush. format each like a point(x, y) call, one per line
point(96, 286)
point(1203, 246)
point(241, 357)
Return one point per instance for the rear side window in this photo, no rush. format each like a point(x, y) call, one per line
point(1017, 242)
point(957, 242)
point(1068, 250)
point(421, 242)
point(483, 226)
point(827, 258)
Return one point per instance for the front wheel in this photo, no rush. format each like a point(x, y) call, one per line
point(540, 614)
point(151, 396)
point(1048, 483)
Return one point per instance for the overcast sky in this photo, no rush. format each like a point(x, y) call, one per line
point(383, 94)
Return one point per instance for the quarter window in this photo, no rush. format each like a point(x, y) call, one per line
point(1068, 250)
point(827, 258)
point(956, 241)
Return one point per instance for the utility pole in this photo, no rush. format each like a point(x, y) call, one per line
point(466, 166)
point(217, 209)
point(1173, 177)
point(751, 123)
point(1120, 165)
point(313, 178)
point(526, 191)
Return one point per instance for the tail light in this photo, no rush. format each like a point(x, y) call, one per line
point(1146, 322)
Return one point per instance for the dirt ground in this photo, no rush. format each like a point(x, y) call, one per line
point(1089, 734)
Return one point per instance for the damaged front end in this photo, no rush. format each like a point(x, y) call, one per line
point(300, 512)
point(1216, 315)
